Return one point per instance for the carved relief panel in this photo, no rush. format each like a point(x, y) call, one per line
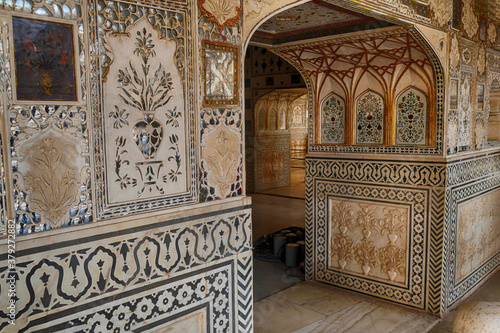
point(145, 128)
point(478, 233)
point(369, 239)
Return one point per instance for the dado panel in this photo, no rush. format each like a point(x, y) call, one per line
point(376, 227)
point(142, 276)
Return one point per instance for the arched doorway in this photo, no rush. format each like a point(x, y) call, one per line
point(375, 94)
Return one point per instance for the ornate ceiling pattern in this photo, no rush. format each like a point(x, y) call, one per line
point(386, 56)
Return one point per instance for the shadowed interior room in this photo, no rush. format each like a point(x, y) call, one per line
point(249, 166)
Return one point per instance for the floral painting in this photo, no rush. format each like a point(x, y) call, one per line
point(221, 74)
point(44, 60)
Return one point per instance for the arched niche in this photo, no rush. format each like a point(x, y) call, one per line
point(369, 122)
point(333, 119)
point(411, 117)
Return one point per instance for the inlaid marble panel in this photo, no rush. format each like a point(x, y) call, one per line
point(465, 110)
point(144, 128)
point(411, 117)
point(48, 184)
point(370, 118)
point(333, 119)
point(145, 120)
point(270, 155)
point(142, 277)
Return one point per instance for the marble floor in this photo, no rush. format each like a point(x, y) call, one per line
point(318, 308)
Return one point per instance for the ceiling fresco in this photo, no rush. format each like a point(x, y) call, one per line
point(312, 20)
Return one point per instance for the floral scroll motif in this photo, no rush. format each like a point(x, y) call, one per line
point(465, 113)
point(369, 118)
point(253, 8)
point(411, 117)
point(333, 119)
point(481, 60)
point(442, 11)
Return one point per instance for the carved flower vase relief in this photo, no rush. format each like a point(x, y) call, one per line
point(144, 85)
point(369, 239)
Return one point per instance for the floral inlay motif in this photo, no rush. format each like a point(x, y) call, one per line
point(370, 118)
point(333, 119)
point(465, 114)
point(411, 117)
point(492, 33)
point(145, 120)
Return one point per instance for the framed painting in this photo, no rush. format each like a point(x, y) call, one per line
point(221, 74)
point(45, 64)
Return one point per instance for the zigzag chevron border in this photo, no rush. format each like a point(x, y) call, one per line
point(436, 245)
point(245, 292)
point(309, 262)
